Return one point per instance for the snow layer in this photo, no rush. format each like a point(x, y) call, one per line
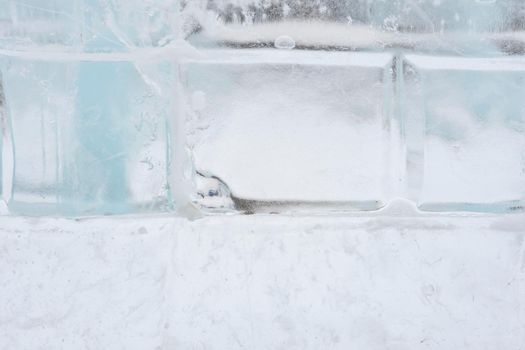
point(263, 282)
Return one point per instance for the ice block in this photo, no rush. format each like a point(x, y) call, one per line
point(88, 135)
point(455, 27)
point(290, 130)
point(465, 121)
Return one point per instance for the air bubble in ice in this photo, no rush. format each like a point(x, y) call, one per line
point(284, 42)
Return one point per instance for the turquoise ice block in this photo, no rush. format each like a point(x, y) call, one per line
point(90, 136)
point(97, 172)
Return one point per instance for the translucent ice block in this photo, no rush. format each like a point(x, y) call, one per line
point(279, 130)
point(465, 120)
point(87, 25)
point(466, 27)
point(86, 134)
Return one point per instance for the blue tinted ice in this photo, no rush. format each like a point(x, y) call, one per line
point(87, 25)
point(465, 120)
point(87, 105)
point(87, 137)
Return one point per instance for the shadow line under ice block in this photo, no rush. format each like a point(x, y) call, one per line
point(465, 120)
point(278, 131)
point(88, 135)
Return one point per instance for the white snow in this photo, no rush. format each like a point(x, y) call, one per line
point(263, 282)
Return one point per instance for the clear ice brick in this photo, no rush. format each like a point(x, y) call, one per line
point(465, 123)
point(289, 130)
point(86, 134)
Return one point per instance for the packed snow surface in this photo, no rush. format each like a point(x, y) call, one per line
point(264, 282)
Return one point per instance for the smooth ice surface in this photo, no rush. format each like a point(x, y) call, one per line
point(292, 125)
point(260, 282)
point(86, 137)
point(465, 121)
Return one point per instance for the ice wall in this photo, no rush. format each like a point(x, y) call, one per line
point(112, 107)
point(449, 106)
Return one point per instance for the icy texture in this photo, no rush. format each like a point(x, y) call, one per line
point(283, 105)
point(87, 106)
point(264, 119)
point(86, 137)
point(454, 26)
point(292, 126)
point(87, 25)
point(465, 121)
point(404, 15)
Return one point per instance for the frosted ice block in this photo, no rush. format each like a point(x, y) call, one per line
point(465, 122)
point(280, 130)
point(86, 134)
